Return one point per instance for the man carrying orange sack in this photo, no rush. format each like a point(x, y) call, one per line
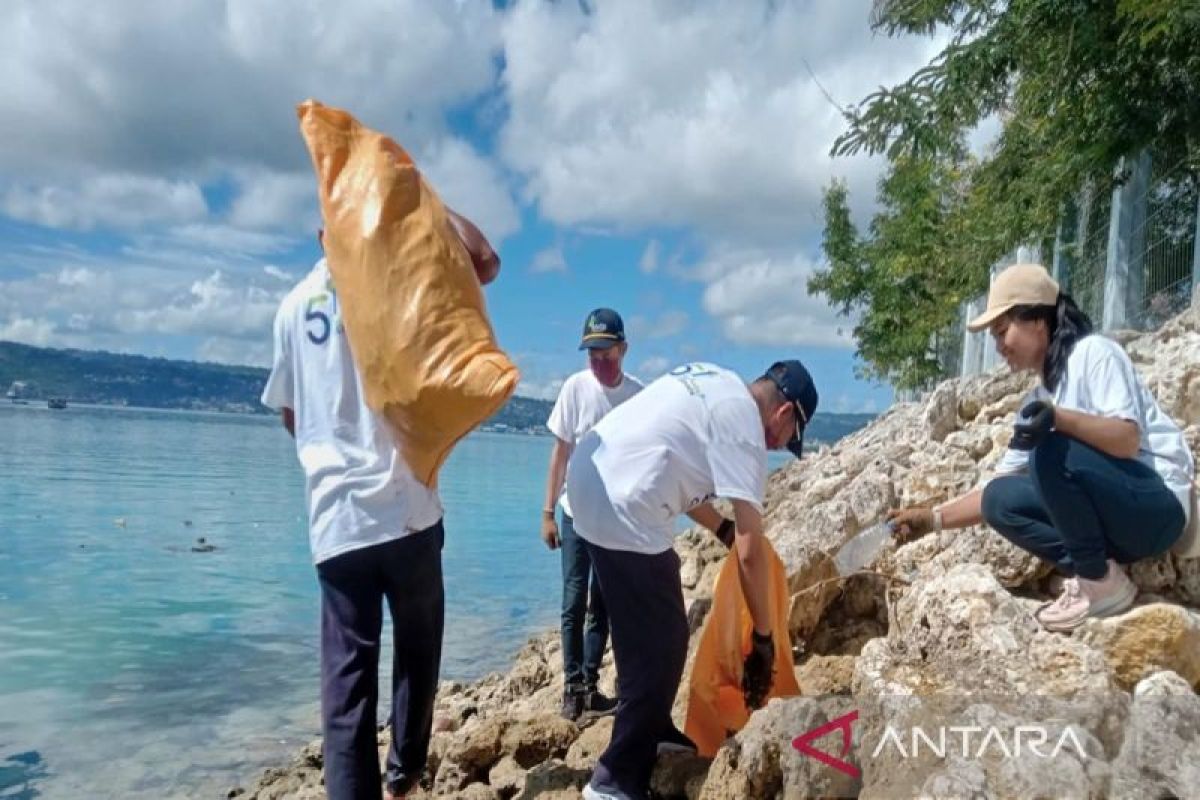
point(693, 435)
point(376, 534)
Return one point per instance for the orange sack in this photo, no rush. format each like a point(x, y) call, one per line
point(410, 299)
point(716, 708)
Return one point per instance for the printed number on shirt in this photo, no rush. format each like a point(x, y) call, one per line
point(687, 375)
point(317, 324)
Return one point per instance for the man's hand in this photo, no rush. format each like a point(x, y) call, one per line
point(911, 523)
point(483, 257)
point(758, 671)
point(1033, 425)
point(550, 530)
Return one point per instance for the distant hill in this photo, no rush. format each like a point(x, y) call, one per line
point(87, 376)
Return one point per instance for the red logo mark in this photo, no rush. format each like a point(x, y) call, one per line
point(803, 744)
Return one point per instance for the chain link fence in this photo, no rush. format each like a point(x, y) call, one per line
point(1087, 254)
point(1160, 245)
point(1166, 244)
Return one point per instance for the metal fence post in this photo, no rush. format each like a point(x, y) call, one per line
point(989, 358)
point(1123, 278)
point(1196, 257)
point(1065, 240)
point(973, 343)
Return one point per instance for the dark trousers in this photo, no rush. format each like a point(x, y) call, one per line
point(408, 573)
point(584, 622)
point(650, 639)
point(1078, 507)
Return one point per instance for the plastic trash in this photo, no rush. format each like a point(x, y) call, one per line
point(863, 548)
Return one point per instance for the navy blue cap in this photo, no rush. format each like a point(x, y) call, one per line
point(602, 329)
point(795, 384)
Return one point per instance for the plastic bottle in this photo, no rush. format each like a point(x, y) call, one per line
point(863, 548)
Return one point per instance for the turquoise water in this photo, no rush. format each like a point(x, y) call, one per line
point(133, 667)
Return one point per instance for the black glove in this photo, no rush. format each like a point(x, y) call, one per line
point(725, 532)
point(758, 670)
point(1033, 425)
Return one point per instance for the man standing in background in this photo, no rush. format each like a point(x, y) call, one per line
point(585, 398)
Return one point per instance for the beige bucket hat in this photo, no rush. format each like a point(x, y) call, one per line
point(1018, 285)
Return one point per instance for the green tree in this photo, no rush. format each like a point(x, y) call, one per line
point(1077, 85)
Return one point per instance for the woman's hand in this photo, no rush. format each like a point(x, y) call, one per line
point(911, 523)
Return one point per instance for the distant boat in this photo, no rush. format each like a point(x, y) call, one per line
point(20, 392)
point(56, 402)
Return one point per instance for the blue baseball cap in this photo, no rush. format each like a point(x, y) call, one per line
point(602, 329)
point(795, 384)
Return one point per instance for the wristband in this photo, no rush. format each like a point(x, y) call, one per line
point(937, 520)
point(548, 512)
point(725, 532)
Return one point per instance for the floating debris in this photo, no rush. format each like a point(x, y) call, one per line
point(202, 546)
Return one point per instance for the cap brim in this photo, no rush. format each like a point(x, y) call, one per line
point(599, 342)
point(987, 318)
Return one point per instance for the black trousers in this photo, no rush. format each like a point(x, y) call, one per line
point(649, 640)
point(407, 572)
point(1078, 507)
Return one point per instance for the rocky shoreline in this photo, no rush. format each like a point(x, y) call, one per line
point(938, 633)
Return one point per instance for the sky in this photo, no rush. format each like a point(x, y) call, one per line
point(663, 158)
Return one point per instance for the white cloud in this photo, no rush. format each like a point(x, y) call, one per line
point(669, 323)
point(149, 103)
point(648, 263)
point(72, 278)
point(472, 185)
point(551, 259)
point(763, 299)
point(106, 200)
point(92, 302)
point(273, 200)
point(212, 306)
point(27, 330)
point(724, 131)
point(278, 274)
point(723, 136)
point(653, 367)
point(181, 86)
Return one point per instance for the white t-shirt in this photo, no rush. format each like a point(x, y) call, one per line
point(692, 435)
point(359, 490)
point(1102, 381)
point(582, 402)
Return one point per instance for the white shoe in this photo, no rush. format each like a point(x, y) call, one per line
point(590, 793)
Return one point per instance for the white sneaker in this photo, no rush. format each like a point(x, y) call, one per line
point(590, 793)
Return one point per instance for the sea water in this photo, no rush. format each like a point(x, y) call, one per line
point(133, 667)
